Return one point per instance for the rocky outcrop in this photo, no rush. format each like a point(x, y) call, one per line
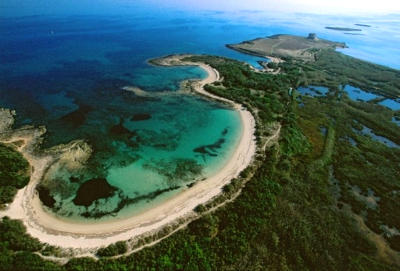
point(6, 119)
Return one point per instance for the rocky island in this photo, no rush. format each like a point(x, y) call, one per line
point(283, 46)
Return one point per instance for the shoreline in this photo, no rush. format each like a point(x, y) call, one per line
point(64, 234)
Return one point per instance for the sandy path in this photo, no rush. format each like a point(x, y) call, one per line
point(55, 231)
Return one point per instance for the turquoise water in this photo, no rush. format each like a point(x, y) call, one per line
point(359, 94)
point(161, 155)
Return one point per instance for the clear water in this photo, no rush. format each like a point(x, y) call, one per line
point(314, 91)
point(390, 103)
point(352, 141)
point(367, 131)
point(358, 94)
point(396, 121)
point(67, 71)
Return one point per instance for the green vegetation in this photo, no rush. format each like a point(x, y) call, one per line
point(332, 67)
point(287, 216)
point(14, 173)
point(17, 249)
point(113, 249)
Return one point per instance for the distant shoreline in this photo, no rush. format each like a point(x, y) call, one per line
point(88, 236)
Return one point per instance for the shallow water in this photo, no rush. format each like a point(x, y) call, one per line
point(355, 94)
point(390, 103)
point(367, 131)
point(396, 121)
point(314, 91)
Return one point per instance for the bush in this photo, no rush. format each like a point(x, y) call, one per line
point(113, 249)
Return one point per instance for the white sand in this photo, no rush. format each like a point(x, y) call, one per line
point(55, 231)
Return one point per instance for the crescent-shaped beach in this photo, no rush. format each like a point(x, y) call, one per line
point(66, 234)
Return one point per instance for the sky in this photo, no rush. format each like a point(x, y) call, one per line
point(14, 8)
point(309, 6)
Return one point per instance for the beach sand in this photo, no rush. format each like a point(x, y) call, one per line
point(85, 236)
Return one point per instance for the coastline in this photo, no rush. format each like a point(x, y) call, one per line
point(54, 231)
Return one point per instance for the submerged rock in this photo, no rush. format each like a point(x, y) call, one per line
point(77, 117)
point(210, 150)
point(120, 130)
point(140, 117)
point(92, 190)
point(126, 201)
point(45, 197)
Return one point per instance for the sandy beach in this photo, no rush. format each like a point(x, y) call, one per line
point(65, 234)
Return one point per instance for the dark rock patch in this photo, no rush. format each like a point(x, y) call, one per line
point(45, 197)
point(77, 117)
point(73, 179)
point(141, 117)
point(126, 201)
point(176, 170)
point(120, 130)
point(210, 150)
point(92, 190)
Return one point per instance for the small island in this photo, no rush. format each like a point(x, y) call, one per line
point(347, 29)
point(283, 46)
point(363, 25)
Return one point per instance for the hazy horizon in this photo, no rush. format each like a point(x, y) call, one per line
point(16, 8)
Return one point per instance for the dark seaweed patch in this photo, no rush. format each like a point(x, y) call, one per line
point(153, 138)
point(45, 197)
point(107, 87)
point(224, 132)
point(77, 117)
point(141, 117)
point(176, 170)
point(126, 201)
point(120, 130)
point(73, 179)
point(93, 190)
point(210, 150)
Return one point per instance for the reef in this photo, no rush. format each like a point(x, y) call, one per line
point(126, 201)
point(45, 197)
point(211, 149)
point(93, 190)
point(78, 117)
point(141, 117)
point(178, 169)
point(120, 130)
